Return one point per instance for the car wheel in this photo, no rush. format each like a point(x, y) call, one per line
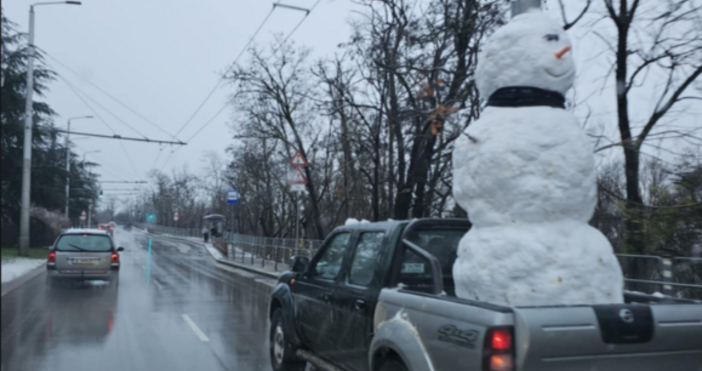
point(282, 353)
point(392, 364)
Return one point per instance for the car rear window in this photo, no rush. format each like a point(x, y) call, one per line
point(84, 242)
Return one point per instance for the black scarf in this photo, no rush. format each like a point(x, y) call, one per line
point(524, 96)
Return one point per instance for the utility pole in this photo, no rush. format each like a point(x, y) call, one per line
point(27, 150)
point(90, 213)
point(297, 218)
point(68, 160)
point(28, 122)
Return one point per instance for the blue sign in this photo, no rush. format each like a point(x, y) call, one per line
point(232, 197)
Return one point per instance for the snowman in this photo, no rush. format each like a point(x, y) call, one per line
point(525, 173)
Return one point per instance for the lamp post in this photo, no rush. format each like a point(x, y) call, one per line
point(90, 204)
point(68, 160)
point(85, 153)
point(27, 150)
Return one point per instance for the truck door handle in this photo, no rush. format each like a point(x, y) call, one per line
point(325, 296)
point(360, 304)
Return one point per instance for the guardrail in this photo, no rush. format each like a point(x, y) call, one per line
point(271, 254)
point(672, 276)
point(669, 275)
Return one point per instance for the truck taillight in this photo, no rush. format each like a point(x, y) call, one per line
point(115, 258)
point(52, 258)
point(498, 352)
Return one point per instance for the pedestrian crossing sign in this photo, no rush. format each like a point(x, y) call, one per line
point(298, 159)
point(297, 177)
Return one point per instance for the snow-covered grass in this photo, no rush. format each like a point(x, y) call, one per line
point(11, 253)
point(16, 267)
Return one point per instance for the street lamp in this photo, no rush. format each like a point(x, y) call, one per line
point(27, 150)
point(68, 159)
point(85, 153)
point(90, 204)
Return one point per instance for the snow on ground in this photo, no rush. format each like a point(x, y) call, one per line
point(15, 268)
point(214, 251)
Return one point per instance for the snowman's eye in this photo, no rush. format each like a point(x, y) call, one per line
point(551, 37)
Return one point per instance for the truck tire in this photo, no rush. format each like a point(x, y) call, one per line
point(282, 353)
point(392, 364)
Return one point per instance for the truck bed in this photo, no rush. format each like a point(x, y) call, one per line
point(665, 334)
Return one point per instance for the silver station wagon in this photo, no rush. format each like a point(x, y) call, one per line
point(83, 255)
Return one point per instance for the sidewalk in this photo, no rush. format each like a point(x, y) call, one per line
point(262, 267)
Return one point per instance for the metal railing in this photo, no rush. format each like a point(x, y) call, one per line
point(270, 254)
point(672, 276)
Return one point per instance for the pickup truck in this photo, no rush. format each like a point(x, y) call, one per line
point(380, 296)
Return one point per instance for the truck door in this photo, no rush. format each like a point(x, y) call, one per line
point(314, 292)
point(355, 301)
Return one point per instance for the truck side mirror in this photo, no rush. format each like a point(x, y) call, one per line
point(299, 264)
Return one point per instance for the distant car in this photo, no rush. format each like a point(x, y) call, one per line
point(128, 226)
point(107, 227)
point(81, 255)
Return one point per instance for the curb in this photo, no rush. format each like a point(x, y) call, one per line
point(19, 281)
point(226, 261)
point(244, 267)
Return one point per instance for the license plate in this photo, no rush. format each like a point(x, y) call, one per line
point(84, 261)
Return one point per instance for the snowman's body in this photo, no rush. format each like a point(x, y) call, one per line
point(526, 176)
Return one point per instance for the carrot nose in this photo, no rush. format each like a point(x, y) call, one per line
point(562, 51)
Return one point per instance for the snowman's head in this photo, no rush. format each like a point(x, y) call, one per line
point(531, 50)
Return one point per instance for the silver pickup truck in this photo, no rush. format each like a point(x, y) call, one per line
point(380, 296)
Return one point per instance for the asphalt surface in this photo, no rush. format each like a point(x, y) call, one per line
point(172, 310)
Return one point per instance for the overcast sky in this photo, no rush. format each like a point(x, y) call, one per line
point(161, 58)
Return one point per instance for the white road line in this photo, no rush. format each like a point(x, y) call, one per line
point(195, 329)
point(158, 284)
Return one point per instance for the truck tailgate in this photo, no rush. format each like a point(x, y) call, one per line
point(660, 337)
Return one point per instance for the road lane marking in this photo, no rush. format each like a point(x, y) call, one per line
point(195, 329)
point(158, 284)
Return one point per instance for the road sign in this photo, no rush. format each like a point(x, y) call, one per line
point(296, 177)
point(232, 197)
point(295, 187)
point(83, 215)
point(298, 159)
point(175, 216)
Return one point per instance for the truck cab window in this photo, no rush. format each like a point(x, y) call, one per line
point(365, 258)
point(329, 264)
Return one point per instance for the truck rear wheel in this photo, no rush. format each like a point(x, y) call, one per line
point(282, 353)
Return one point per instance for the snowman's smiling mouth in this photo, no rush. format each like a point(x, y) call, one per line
point(553, 74)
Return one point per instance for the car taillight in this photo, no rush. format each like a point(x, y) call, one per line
point(498, 352)
point(52, 258)
point(112, 229)
point(115, 258)
point(100, 228)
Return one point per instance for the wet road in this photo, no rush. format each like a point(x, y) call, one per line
point(172, 310)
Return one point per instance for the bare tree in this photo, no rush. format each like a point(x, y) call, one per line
point(662, 38)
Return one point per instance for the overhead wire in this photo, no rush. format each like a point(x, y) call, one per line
point(209, 95)
point(131, 163)
point(109, 112)
point(275, 51)
point(111, 96)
